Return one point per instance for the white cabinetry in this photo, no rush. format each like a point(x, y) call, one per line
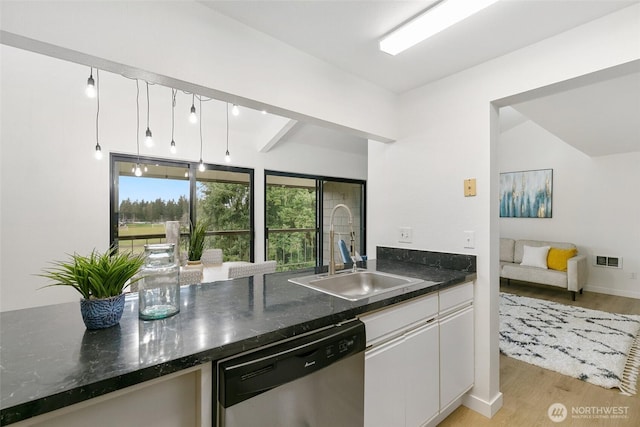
point(384, 385)
point(419, 359)
point(456, 343)
point(422, 367)
point(401, 364)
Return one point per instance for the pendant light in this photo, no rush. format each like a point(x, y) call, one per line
point(98, 152)
point(201, 166)
point(138, 171)
point(227, 156)
point(235, 110)
point(172, 147)
point(149, 137)
point(193, 117)
point(90, 90)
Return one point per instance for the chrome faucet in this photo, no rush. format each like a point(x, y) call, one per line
point(332, 262)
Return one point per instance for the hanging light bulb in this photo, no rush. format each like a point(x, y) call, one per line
point(172, 147)
point(186, 174)
point(133, 168)
point(235, 110)
point(138, 171)
point(227, 156)
point(91, 86)
point(146, 169)
point(193, 117)
point(98, 152)
point(148, 137)
point(201, 167)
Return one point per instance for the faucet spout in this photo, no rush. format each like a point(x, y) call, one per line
point(332, 262)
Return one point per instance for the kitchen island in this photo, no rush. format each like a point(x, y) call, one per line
point(50, 361)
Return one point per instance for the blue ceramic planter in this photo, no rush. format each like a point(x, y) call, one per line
point(102, 313)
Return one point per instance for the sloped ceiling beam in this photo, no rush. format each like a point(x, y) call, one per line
point(288, 127)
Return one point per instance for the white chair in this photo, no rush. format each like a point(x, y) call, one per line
point(251, 269)
point(211, 257)
point(190, 276)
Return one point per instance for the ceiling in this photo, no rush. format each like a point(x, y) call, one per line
point(345, 33)
point(599, 119)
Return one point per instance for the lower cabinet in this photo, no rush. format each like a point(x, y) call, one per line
point(419, 359)
point(401, 366)
point(456, 356)
point(456, 343)
point(401, 379)
point(422, 368)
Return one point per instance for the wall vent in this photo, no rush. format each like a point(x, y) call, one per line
point(607, 261)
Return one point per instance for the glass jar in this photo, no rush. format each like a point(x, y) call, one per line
point(159, 289)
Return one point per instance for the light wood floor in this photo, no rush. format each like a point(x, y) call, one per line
point(528, 390)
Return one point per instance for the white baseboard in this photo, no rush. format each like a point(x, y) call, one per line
point(616, 292)
point(444, 413)
point(488, 409)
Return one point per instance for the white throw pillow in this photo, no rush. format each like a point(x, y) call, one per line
point(535, 256)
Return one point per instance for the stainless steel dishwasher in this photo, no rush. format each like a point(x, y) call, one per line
point(315, 380)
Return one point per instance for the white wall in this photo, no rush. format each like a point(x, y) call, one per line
point(55, 195)
point(188, 41)
point(593, 206)
point(449, 133)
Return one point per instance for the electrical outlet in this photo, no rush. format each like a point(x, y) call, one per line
point(470, 239)
point(405, 235)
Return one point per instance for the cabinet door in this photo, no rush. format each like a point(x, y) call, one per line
point(456, 355)
point(384, 385)
point(422, 384)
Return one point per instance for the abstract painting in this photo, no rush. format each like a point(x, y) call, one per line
point(526, 194)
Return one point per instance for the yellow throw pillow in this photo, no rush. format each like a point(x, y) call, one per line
point(557, 258)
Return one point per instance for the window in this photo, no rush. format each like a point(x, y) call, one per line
point(224, 203)
point(221, 196)
point(291, 233)
point(298, 206)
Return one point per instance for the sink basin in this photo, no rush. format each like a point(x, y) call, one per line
point(355, 286)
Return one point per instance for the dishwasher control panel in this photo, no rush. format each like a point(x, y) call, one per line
point(253, 373)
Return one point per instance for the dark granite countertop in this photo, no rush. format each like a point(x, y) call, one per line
point(48, 360)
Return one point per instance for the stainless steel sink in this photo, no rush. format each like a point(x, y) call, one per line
point(354, 286)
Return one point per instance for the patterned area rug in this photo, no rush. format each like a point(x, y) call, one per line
point(595, 346)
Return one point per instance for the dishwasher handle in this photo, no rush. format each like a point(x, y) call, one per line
point(257, 372)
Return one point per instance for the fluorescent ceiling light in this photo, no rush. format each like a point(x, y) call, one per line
point(435, 19)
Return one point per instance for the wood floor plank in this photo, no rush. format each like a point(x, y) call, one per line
point(529, 391)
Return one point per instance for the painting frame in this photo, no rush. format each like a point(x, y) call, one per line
point(526, 194)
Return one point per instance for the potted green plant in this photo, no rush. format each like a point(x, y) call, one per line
point(100, 278)
point(196, 243)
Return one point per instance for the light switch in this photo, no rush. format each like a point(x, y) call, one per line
point(470, 187)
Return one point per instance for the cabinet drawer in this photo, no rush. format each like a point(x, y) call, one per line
point(456, 296)
point(399, 317)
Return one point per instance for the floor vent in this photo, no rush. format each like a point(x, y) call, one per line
point(607, 261)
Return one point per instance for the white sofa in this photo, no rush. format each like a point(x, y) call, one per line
point(511, 254)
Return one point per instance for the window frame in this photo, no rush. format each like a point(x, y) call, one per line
point(319, 180)
point(114, 158)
